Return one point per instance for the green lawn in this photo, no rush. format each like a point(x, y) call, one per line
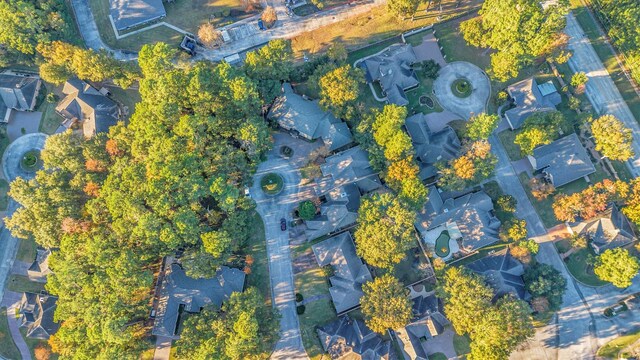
point(577, 266)
point(412, 268)
point(128, 98)
point(607, 57)
point(27, 250)
point(257, 248)
point(8, 348)
point(425, 88)
point(4, 138)
point(310, 283)
point(461, 344)
point(611, 349)
point(20, 283)
point(4, 198)
point(507, 138)
point(50, 120)
point(438, 356)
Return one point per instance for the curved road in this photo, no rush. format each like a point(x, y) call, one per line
point(272, 209)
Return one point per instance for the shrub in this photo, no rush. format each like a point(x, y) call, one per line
point(300, 309)
point(307, 210)
point(507, 203)
point(299, 297)
point(430, 69)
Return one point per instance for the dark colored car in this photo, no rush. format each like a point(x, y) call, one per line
point(283, 224)
point(261, 25)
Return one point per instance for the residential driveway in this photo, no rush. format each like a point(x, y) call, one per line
point(29, 121)
point(15, 151)
point(429, 50)
point(464, 107)
point(601, 90)
point(12, 302)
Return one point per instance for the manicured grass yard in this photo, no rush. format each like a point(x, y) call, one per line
point(577, 264)
point(8, 348)
point(50, 120)
point(461, 344)
point(438, 356)
point(20, 283)
point(4, 198)
point(412, 268)
point(271, 184)
point(257, 248)
point(27, 250)
point(611, 349)
point(128, 98)
point(310, 283)
point(481, 253)
point(442, 244)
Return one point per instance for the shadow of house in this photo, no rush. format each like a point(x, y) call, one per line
point(431, 147)
point(428, 321)
point(36, 315)
point(179, 293)
point(349, 272)
point(392, 70)
point(562, 161)
point(338, 211)
point(18, 92)
point(503, 273)
point(469, 219)
point(348, 167)
point(529, 97)
point(127, 14)
point(348, 338)
point(610, 230)
point(39, 269)
point(305, 118)
point(85, 105)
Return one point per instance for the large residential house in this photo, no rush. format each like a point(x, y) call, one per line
point(503, 273)
point(18, 92)
point(39, 269)
point(392, 70)
point(431, 147)
point(609, 230)
point(180, 292)
point(305, 118)
point(469, 220)
point(348, 167)
point(338, 211)
point(85, 105)
point(349, 272)
point(528, 98)
point(127, 14)
point(562, 161)
point(36, 315)
point(351, 339)
point(428, 322)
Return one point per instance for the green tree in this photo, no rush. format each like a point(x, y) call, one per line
point(387, 132)
point(385, 230)
point(514, 230)
point(616, 266)
point(613, 139)
point(480, 126)
point(385, 304)
point(579, 80)
point(307, 210)
point(543, 280)
point(337, 52)
point(539, 129)
point(403, 8)
point(466, 297)
point(270, 65)
point(340, 87)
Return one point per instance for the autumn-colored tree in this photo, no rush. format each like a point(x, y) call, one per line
point(340, 87)
point(616, 266)
point(269, 16)
point(385, 304)
point(587, 203)
point(480, 126)
point(578, 81)
point(209, 35)
point(474, 165)
point(632, 202)
point(613, 139)
point(514, 230)
point(540, 188)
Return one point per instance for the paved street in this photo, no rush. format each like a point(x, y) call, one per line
point(478, 80)
point(601, 90)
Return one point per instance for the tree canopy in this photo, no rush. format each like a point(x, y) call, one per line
point(543, 280)
point(616, 266)
point(519, 31)
point(476, 164)
point(385, 304)
point(480, 126)
point(403, 8)
point(613, 139)
point(340, 87)
point(539, 129)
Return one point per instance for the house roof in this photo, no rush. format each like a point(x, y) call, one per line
point(84, 103)
point(178, 290)
point(130, 13)
point(293, 112)
point(347, 338)
point(40, 266)
point(339, 212)
point(17, 92)
point(503, 273)
point(564, 160)
point(431, 147)
point(529, 98)
point(38, 315)
point(349, 271)
point(607, 231)
point(392, 69)
point(428, 321)
point(471, 214)
point(347, 167)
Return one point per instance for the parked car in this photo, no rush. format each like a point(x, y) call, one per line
point(283, 224)
point(261, 25)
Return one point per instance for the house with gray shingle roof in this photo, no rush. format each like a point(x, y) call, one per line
point(392, 70)
point(338, 211)
point(307, 119)
point(180, 292)
point(36, 315)
point(530, 97)
point(428, 321)
point(85, 105)
point(610, 230)
point(431, 147)
point(503, 273)
point(469, 220)
point(562, 161)
point(349, 272)
point(18, 92)
point(39, 269)
point(127, 14)
point(348, 167)
point(348, 338)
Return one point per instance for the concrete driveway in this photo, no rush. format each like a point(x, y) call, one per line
point(15, 151)
point(27, 120)
point(463, 107)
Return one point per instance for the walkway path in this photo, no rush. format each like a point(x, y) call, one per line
point(12, 301)
point(163, 348)
point(601, 90)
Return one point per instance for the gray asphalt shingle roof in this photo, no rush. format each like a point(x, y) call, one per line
point(431, 147)
point(17, 92)
point(503, 272)
point(130, 13)
point(347, 338)
point(84, 103)
point(564, 160)
point(529, 99)
point(428, 321)
point(38, 315)
point(348, 167)
point(392, 69)
point(339, 212)
point(607, 231)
